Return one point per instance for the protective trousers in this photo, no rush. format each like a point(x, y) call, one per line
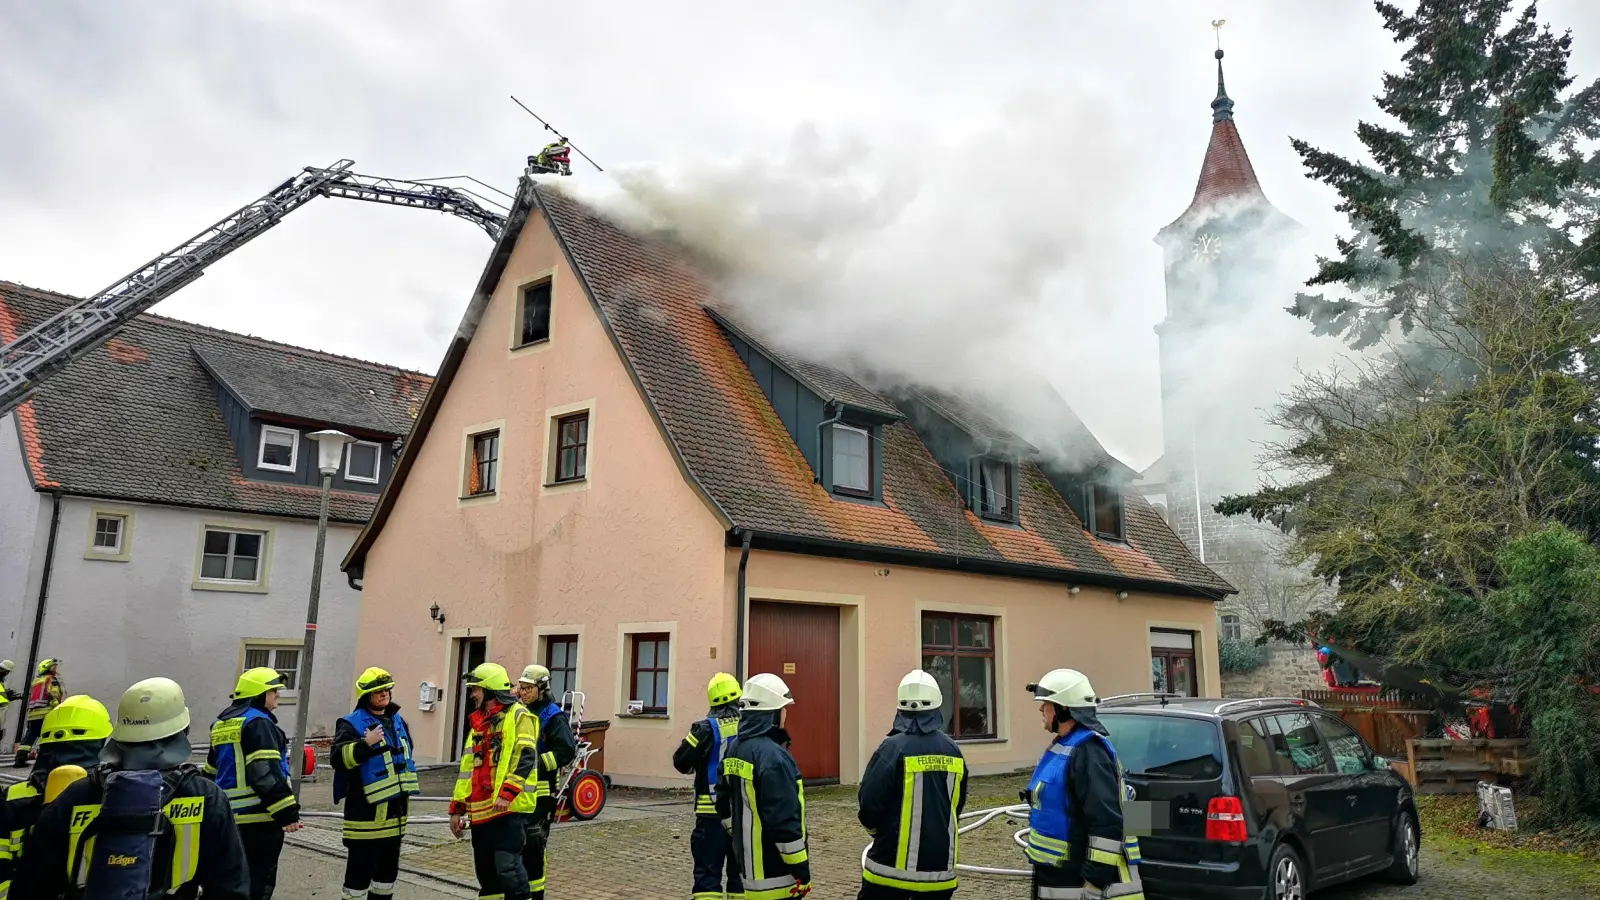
point(263, 844)
point(371, 867)
point(30, 736)
point(1054, 882)
point(870, 891)
point(535, 846)
point(712, 850)
point(497, 859)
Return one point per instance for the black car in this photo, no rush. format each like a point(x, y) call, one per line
point(1268, 798)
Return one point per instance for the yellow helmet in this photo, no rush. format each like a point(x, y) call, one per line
point(723, 689)
point(46, 665)
point(491, 677)
point(78, 718)
point(373, 680)
point(258, 681)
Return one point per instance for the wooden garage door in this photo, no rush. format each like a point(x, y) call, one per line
point(800, 644)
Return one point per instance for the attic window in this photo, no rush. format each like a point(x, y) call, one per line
point(994, 490)
point(534, 315)
point(1106, 518)
point(361, 462)
point(279, 449)
point(852, 460)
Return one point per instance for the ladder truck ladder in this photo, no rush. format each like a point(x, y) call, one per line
point(69, 334)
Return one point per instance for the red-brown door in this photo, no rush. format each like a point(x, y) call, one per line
point(800, 644)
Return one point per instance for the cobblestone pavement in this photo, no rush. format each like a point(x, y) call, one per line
point(639, 847)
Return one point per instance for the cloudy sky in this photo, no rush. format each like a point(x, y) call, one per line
point(128, 127)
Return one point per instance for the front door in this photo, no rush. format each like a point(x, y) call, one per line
point(800, 644)
point(470, 653)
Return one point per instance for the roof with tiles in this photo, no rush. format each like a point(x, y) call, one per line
point(1226, 173)
point(733, 447)
point(137, 418)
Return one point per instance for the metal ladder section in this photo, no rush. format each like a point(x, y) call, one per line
point(69, 334)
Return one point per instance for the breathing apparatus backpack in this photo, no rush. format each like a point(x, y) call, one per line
point(133, 817)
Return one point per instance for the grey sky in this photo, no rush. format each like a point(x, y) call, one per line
point(128, 127)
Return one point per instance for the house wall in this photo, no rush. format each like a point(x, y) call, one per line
point(116, 622)
point(634, 548)
point(24, 522)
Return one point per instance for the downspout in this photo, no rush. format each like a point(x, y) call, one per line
point(738, 652)
point(44, 593)
point(838, 416)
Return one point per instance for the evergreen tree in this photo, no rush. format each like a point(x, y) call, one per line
point(1486, 164)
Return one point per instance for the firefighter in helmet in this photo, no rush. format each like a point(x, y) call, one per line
point(557, 748)
point(701, 752)
point(74, 734)
point(6, 694)
point(374, 776)
point(44, 694)
point(760, 798)
point(1077, 844)
point(249, 758)
point(497, 783)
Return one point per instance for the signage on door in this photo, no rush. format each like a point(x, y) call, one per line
point(788, 668)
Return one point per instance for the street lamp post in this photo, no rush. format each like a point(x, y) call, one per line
point(330, 450)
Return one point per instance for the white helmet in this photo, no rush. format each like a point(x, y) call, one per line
point(149, 711)
point(766, 692)
point(1065, 687)
point(918, 691)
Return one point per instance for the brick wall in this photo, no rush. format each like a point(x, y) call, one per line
point(1289, 670)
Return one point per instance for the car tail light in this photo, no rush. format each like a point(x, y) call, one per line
point(1225, 820)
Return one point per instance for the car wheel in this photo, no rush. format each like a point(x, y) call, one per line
point(1286, 875)
point(1407, 851)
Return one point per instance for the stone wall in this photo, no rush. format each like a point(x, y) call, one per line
point(1288, 671)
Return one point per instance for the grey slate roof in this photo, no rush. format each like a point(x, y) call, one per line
point(269, 381)
point(138, 418)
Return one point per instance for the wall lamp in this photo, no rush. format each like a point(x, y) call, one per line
point(1074, 589)
point(437, 615)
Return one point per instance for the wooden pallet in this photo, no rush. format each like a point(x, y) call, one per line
point(1436, 766)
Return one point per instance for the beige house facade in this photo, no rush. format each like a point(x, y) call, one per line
point(614, 478)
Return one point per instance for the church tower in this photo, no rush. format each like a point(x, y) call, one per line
point(1214, 254)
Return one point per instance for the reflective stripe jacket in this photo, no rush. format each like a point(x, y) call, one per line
point(762, 803)
point(249, 758)
point(386, 779)
point(501, 755)
point(1075, 796)
point(201, 849)
point(914, 788)
point(701, 752)
point(24, 799)
point(44, 695)
point(557, 747)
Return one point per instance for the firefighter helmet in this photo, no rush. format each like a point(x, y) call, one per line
point(150, 710)
point(373, 680)
point(918, 691)
point(78, 718)
point(766, 692)
point(723, 689)
point(491, 677)
point(258, 681)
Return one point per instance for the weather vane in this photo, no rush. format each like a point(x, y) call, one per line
point(1216, 25)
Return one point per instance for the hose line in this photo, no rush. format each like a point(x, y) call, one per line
point(984, 817)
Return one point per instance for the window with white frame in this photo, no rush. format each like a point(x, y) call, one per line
point(231, 556)
point(285, 659)
point(280, 448)
point(361, 462)
point(109, 533)
point(852, 460)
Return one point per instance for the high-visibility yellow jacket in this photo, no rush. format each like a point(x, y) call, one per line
point(500, 759)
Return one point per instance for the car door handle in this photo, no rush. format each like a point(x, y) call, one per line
point(1351, 798)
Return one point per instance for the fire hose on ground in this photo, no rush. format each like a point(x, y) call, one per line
point(984, 816)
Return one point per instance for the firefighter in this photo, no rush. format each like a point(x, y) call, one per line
point(701, 752)
point(1077, 843)
point(556, 156)
point(557, 748)
point(375, 776)
point(760, 799)
point(44, 694)
point(492, 789)
point(249, 758)
point(73, 735)
point(196, 846)
point(6, 694)
point(912, 793)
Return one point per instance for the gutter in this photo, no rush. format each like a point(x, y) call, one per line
point(44, 589)
point(744, 561)
point(809, 546)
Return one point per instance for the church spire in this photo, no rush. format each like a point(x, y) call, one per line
point(1222, 107)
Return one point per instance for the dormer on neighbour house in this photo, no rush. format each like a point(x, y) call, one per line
point(835, 422)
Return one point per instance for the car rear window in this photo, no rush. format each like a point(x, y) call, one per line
point(1157, 746)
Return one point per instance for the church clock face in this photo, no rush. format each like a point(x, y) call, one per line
point(1207, 246)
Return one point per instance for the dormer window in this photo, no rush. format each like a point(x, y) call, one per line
point(1106, 519)
point(852, 460)
point(995, 490)
point(361, 462)
point(280, 449)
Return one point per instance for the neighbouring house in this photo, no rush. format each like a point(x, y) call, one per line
point(614, 480)
point(158, 507)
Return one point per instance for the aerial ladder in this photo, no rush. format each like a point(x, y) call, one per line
point(54, 343)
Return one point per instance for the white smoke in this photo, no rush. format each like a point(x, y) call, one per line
point(991, 260)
